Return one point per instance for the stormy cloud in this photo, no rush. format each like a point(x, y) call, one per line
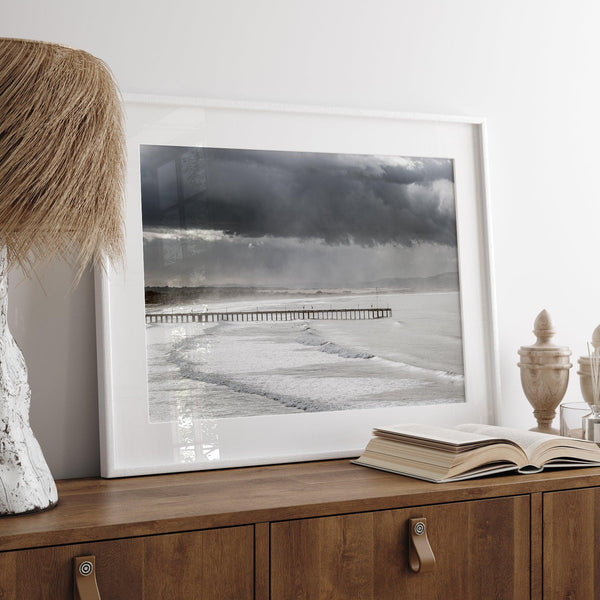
point(333, 199)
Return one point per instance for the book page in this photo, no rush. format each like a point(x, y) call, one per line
point(443, 435)
point(529, 441)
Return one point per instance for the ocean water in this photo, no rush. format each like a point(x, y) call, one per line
point(234, 369)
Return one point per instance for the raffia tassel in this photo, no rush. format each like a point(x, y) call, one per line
point(62, 156)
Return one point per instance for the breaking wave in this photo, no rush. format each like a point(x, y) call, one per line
point(445, 375)
point(309, 337)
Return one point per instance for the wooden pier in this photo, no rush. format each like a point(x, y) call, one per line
point(347, 314)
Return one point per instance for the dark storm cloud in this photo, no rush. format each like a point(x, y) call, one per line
point(336, 198)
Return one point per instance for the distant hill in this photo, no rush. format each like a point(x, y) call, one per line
point(442, 282)
point(183, 295)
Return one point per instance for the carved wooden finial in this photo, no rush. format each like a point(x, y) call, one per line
point(544, 373)
point(543, 328)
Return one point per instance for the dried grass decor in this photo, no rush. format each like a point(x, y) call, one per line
point(62, 159)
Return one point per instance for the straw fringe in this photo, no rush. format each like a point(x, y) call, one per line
point(62, 156)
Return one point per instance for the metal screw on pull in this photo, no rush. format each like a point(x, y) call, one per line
point(86, 568)
point(419, 528)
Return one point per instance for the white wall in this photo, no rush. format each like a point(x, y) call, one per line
point(529, 66)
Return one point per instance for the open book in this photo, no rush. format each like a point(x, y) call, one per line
point(441, 454)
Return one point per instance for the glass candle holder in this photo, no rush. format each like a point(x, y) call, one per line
point(572, 415)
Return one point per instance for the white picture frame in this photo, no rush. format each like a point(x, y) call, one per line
point(130, 443)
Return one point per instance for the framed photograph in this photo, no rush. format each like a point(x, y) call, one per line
point(294, 276)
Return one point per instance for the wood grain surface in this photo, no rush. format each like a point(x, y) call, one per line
point(262, 561)
point(316, 530)
point(482, 550)
point(209, 565)
point(537, 546)
point(97, 509)
point(571, 560)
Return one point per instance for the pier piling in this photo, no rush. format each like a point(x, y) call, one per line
point(347, 314)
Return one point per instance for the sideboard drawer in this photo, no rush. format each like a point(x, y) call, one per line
point(571, 533)
point(216, 564)
point(482, 550)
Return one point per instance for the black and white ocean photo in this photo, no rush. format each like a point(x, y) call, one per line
point(286, 282)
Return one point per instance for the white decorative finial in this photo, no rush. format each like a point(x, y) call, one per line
point(596, 338)
point(543, 328)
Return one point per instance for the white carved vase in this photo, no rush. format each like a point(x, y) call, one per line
point(26, 484)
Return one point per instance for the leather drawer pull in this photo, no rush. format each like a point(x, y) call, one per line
point(420, 554)
point(84, 575)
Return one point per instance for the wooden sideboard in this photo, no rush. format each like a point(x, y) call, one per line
point(322, 530)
